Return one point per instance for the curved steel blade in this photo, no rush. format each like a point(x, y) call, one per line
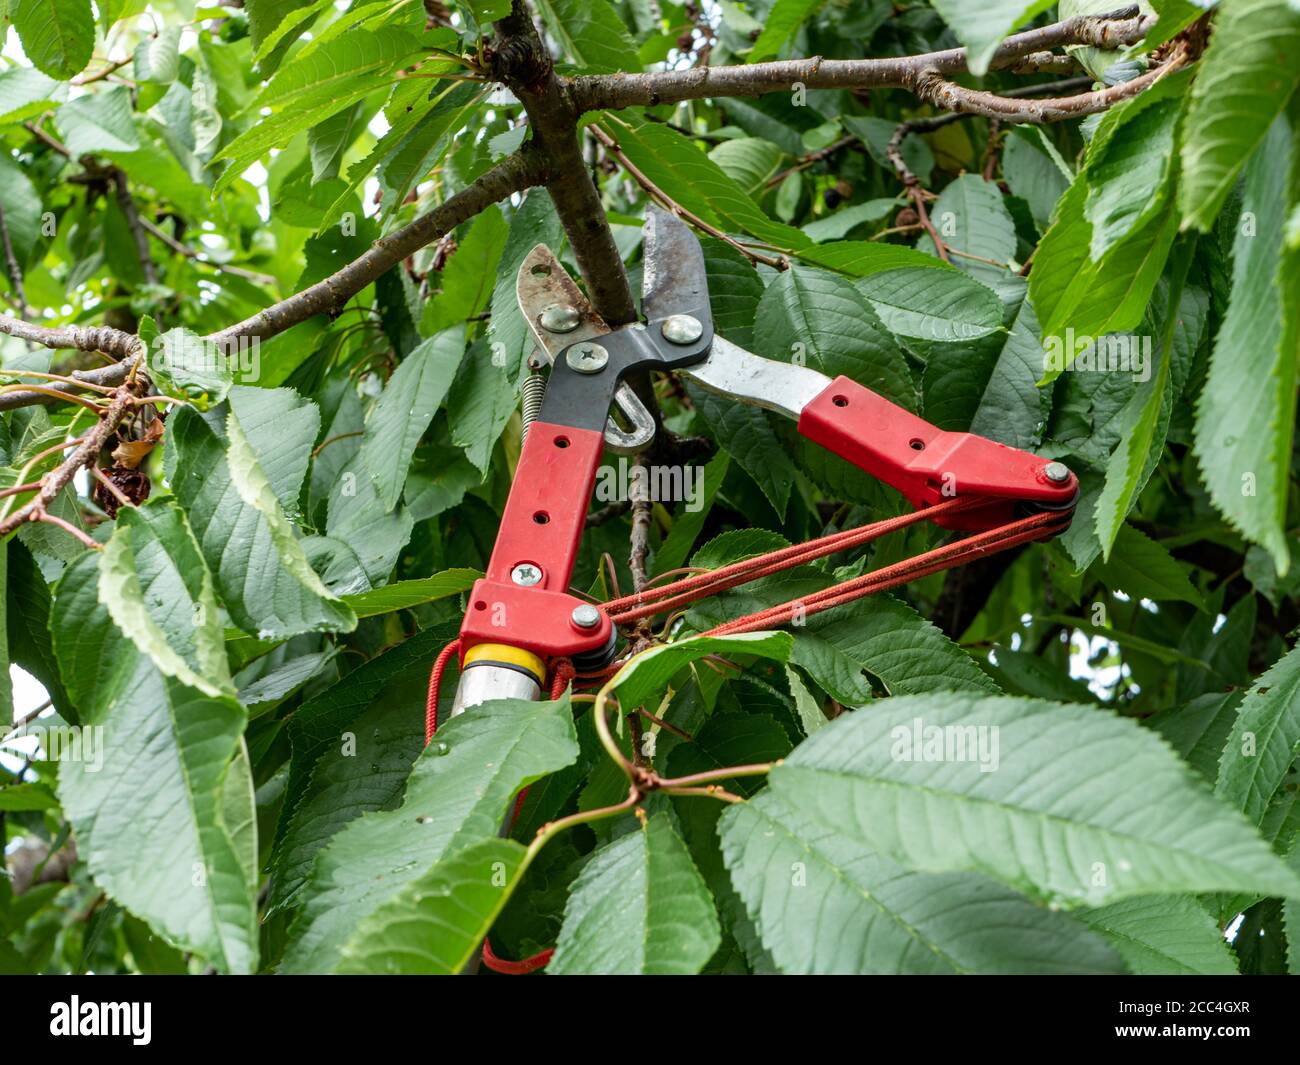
point(674, 279)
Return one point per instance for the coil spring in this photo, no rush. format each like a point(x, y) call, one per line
point(534, 391)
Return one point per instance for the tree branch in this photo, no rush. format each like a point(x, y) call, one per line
point(603, 91)
point(13, 267)
point(114, 342)
point(513, 174)
point(126, 204)
point(523, 64)
point(932, 87)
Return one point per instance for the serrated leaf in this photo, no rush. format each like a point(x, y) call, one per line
point(436, 923)
point(159, 593)
point(1164, 935)
point(481, 402)
point(817, 319)
point(1087, 837)
point(648, 673)
point(147, 799)
point(1264, 741)
point(353, 745)
point(101, 122)
point(534, 222)
point(189, 366)
point(58, 36)
point(745, 434)
point(1144, 569)
point(749, 161)
point(403, 595)
point(781, 23)
point(1250, 68)
point(591, 34)
point(677, 166)
point(1126, 178)
point(971, 217)
point(823, 904)
point(261, 572)
point(1253, 367)
point(403, 412)
point(928, 304)
point(639, 906)
point(470, 274)
point(456, 795)
point(25, 93)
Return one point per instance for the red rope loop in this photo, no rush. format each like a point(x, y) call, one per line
point(435, 681)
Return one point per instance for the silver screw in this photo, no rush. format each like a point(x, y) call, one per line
point(587, 358)
point(526, 575)
point(560, 318)
point(682, 329)
point(585, 616)
point(1056, 471)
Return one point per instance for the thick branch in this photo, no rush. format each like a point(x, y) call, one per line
point(513, 174)
point(121, 345)
point(594, 92)
point(932, 87)
point(521, 61)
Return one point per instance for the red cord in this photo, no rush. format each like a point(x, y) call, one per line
point(659, 599)
point(435, 680)
point(514, 968)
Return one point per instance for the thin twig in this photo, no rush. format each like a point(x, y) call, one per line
point(202, 260)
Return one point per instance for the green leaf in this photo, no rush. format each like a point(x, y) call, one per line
point(403, 595)
point(1034, 171)
point(691, 178)
point(1265, 740)
point(591, 34)
point(838, 225)
point(780, 25)
point(100, 122)
point(649, 672)
point(158, 591)
point(262, 574)
point(58, 36)
point(971, 217)
point(189, 366)
point(435, 924)
point(1127, 175)
point(147, 798)
point(26, 93)
point(1250, 68)
point(749, 161)
point(929, 304)
point(22, 208)
point(403, 412)
point(814, 318)
point(337, 65)
point(1164, 935)
point(744, 432)
point(981, 26)
point(1088, 837)
point(353, 745)
point(1253, 368)
point(481, 402)
point(823, 904)
point(470, 274)
point(534, 222)
point(157, 59)
point(1142, 568)
point(456, 795)
point(639, 906)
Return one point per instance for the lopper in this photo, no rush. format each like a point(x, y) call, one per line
point(523, 622)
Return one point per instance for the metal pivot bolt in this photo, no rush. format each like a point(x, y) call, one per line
point(526, 575)
point(560, 318)
point(682, 329)
point(1056, 471)
point(585, 616)
point(587, 358)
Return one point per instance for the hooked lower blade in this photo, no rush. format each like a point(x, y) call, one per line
point(674, 279)
point(542, 282)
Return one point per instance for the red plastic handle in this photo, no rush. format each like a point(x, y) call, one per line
point(541, 527)
point(925, 463)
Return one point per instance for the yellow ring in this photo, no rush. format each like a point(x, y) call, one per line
point(504, 654)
